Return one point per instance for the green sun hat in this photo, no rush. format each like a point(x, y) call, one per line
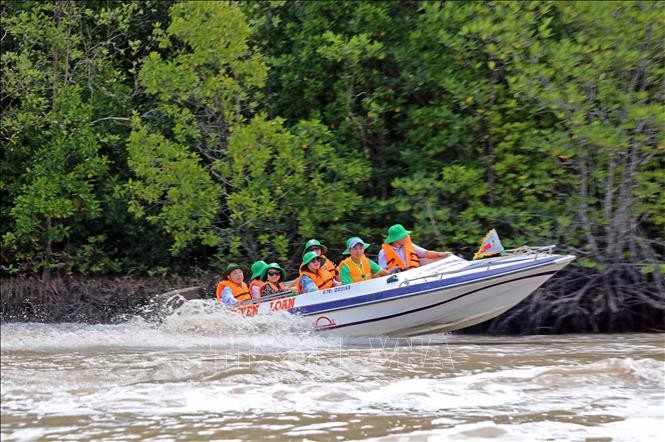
point(315, 242)
point(309, 256)
point(257, 268)
point(396, 232)
point(272, 265)
point(231, 267)
point(352, 242)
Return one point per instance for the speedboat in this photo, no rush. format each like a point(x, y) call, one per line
point(444, 295)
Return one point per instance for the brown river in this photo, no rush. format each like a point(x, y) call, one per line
point(208, 375)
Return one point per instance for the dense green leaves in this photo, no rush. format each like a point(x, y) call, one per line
point(140, 135)
point(209, 167)
point(54, 168)
point(172, 179)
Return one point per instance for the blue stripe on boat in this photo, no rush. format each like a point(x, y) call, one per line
point(395, 315)
point(411, 290)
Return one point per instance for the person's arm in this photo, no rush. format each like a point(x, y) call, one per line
point(307, 284)
point(345, 275)
point(383, 262)
point(256, 291)
point(227, 297)
point(376, 269)
point(430, 254)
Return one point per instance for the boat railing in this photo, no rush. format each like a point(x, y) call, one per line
point(509, 253)
point(528, 250)
point(438, 275)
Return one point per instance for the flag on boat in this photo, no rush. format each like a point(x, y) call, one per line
point(490, 246)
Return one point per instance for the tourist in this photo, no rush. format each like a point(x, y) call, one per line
point(399, 253)
point(312, 276)
point(256, 284)
point(313, 245)
point(357, 267)
point(232, 289)
point(272, 276)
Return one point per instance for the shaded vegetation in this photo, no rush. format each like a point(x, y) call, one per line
point(169, 138)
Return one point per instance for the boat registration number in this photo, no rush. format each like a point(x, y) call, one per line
point(341, 288)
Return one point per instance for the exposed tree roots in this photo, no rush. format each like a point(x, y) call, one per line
point(94, 300)
point(620, 299)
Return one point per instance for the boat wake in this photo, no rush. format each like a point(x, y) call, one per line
point(196, 324)
point(209, 317)
point(267, 376)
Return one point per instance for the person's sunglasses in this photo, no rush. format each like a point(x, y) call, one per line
point(273, 273)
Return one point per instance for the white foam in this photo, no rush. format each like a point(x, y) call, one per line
point(198, 324)
point(629, 430)
point(204, 362)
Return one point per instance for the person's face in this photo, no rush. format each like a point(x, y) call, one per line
point(402, 241)
point(314, 265)
point(236, 276)
point(357, 251)
point(274, 275)
point(315, 249)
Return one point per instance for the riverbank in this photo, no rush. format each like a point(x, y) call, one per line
point(557, 308)
point(99, 300)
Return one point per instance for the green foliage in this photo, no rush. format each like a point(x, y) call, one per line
point(562, 116)
point(284, 186)
point(605, 88)
point(333, 62)
point(216, 171)
point(61, 179)
point(258, 124)
point(480, 155)
point(172, 179)
point(53, 168)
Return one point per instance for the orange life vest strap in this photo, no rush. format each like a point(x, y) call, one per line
point(256, 283)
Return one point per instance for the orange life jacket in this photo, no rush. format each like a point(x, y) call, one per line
point(275, 287)
point(359, 272)
point(393, 259)
point(322, 278)
point(256, 283)
point(240, 292)
point(330, 266)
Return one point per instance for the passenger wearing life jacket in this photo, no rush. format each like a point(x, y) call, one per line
point(313, 245)
point(399, 253)
point(357, 267)
point(272, 277)
point(312, 277)
point(255, 285)
point(232, 289)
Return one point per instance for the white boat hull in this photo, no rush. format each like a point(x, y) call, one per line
point(442, 296)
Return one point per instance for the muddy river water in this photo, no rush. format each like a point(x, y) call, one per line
point(213, 376)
